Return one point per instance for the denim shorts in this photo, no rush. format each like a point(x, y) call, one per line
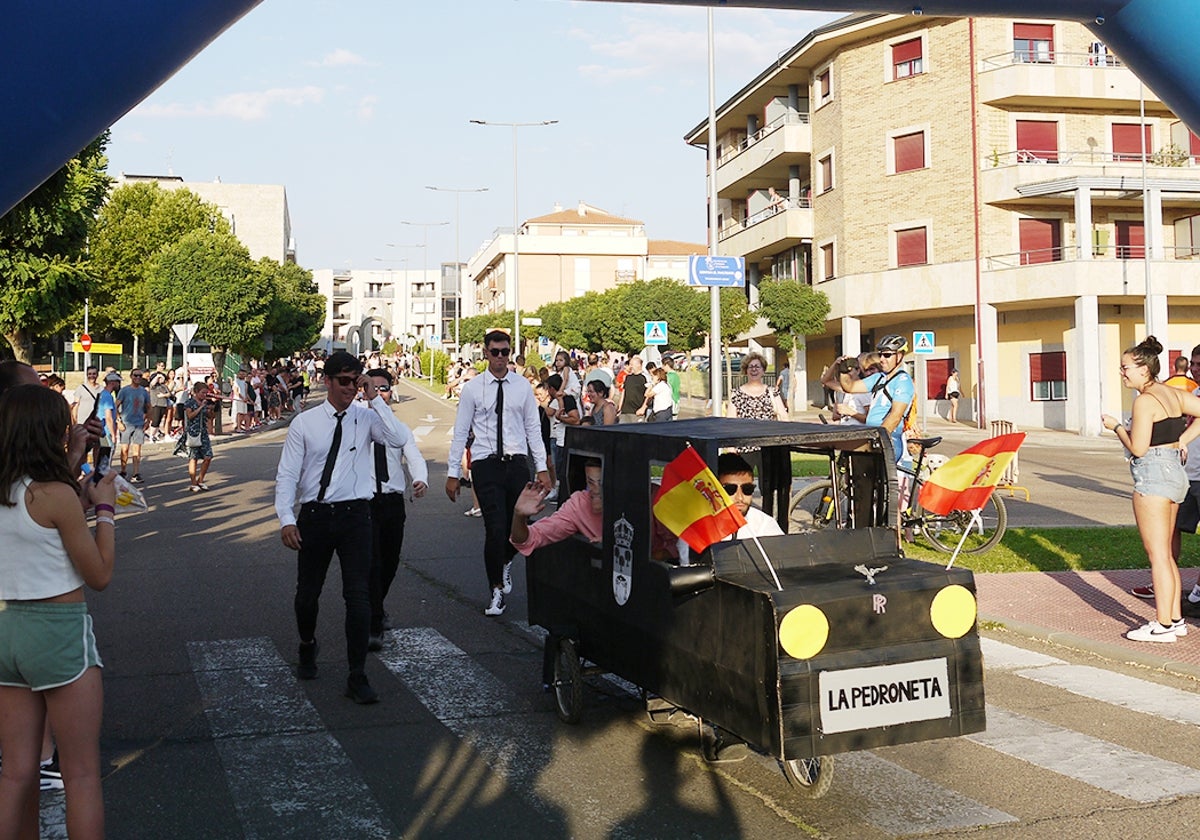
point(45, 645)
point(1159, 473)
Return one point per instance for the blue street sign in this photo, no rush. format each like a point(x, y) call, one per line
point(716, 271)
point(923, 343)
point(655, 332)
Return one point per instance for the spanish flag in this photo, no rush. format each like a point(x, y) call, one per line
point(967, 480)
point(693, 505)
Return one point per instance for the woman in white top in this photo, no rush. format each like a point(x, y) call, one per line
point(660, 402)
point(51, 668)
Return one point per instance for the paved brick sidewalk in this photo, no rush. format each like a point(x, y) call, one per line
point(1089, 611)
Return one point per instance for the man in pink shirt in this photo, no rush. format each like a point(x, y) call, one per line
point(582, 514)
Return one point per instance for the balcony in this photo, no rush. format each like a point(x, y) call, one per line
point(343, 294)
point(1068, 80)
point(766, 155)
point(1005, 175)
point(769, 231)
point(1112, 274)
point(380, 294)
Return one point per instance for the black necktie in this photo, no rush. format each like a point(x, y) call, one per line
point(331, 458)
point(500, 417)
point(381, 470)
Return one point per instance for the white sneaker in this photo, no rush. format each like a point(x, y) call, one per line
point(1180, 627)
point(496, 607)
point(507, 588)
point(553, 494)
point(1152, 632)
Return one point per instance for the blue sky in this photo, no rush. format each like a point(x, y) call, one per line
point(356, 106)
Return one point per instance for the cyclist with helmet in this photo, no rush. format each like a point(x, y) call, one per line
point(891, 389)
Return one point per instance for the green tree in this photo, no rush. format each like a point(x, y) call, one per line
point(296, 311)
point(138, 222)
point(794, 310)
point(208, 279)
point(43, 274)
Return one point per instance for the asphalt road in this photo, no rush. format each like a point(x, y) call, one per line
point(207, 734)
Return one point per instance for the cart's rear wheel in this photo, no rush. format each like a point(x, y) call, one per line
point(810, 777)
point(568, 680)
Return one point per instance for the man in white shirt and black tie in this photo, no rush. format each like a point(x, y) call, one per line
point(503, 412)
point(387, 509)
point(326, 467)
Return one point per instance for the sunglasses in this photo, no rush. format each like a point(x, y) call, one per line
point(747, 488)
point(345, 381)
point(383, 388)
point(497, 352)
point(886, 355)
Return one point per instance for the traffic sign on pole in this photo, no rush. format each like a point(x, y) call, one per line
point(85, 341)
point(923, 342)
point(716, 271)
point(185, 332)
point(655, 332)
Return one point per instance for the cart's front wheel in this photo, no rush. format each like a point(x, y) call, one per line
point(568, 680)
point(811, 777)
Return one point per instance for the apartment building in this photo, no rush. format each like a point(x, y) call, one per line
point(978, 178)
point(257, 213)
point(405, 305)
point(567, 253)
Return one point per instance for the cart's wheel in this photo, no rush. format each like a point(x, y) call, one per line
point(568, 680)
point(810, 777)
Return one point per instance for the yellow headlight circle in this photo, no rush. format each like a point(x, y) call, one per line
point(953, 611)
point(804, 631)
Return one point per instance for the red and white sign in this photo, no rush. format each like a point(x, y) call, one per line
point(85, 341)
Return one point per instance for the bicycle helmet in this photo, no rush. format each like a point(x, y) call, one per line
point(894, 343)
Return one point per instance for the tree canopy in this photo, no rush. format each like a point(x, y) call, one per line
point(43, 240)
point(794, 310)
point(297, 310)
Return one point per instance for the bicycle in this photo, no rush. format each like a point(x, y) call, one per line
point(817, 507)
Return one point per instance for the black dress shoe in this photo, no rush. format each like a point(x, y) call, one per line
point(360, 691)
point(375, 642)
point(307, 669)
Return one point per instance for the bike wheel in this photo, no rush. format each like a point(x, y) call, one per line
point(811, 509)
point(568, 680)
point(809, 777)
point(982, 533)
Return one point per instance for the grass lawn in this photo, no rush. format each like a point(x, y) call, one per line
point(1058, 550)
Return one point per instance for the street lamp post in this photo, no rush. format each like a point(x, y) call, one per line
point(425, 275)
point(457, 262)
point(516, 289)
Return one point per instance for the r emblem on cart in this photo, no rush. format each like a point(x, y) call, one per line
point(622, 560)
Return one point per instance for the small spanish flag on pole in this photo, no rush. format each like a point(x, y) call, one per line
point(967, 480)
point(693, 505)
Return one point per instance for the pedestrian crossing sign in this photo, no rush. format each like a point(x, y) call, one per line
point(655, 332)
point(923, 342)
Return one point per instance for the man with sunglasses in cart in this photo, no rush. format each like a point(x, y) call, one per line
point(891, 389)
point(499, 406)
point(326, 466)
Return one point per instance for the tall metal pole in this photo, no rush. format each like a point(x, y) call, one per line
point(457, 260)
point(516, 272)
point(714, 293)
point(1148, 239)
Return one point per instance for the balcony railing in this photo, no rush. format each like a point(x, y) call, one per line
point(386, 294)
point(1170, 156)
point(338, 294)
point(1051, 57)
point(774, 125)
point(1070, 253)
point(732, 227)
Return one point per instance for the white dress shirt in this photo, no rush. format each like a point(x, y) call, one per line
point(396, 456)
point(477, 409)
point(298, 478)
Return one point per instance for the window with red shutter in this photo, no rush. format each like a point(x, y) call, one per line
point(908, 151)
point(1033, 43)
point(1194, 146)
point(1037, 140)
point(1131, 240)
point(1127, 141)
point(937, 371)
point(823, 85)
point(907, 59)
point(827, 259)
point(1048, 376)
point(826, 164)
point(911, 247)
point(1041, 241)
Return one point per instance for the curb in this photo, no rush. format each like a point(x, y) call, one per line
point(1103, 649)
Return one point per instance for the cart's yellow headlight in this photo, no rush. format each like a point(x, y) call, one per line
point(804, 631)
point(953, 611)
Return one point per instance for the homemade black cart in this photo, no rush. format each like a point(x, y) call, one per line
point(833, 660)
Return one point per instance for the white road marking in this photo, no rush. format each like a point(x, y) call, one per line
point(421, 431)
point(1101, 764)
point(1006, 657)
point(1120, 690)
point(288, 776)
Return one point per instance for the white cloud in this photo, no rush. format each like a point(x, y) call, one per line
point(341, 58)
point(246, 105)
point(366, 107)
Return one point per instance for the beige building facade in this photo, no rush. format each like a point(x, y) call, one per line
point(406, 305)
point(978, 179)
point(568, 253)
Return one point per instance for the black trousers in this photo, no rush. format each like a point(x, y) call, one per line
point(344, 527)
point(498, 483)
point(387, 536)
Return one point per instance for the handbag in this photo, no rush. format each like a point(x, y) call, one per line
point(193, 441)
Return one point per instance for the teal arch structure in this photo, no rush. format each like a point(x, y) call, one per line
point(71, 68)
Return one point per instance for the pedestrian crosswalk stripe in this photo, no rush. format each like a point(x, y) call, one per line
point(1120, 690)
point(1101, 764)
point(287, 775)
